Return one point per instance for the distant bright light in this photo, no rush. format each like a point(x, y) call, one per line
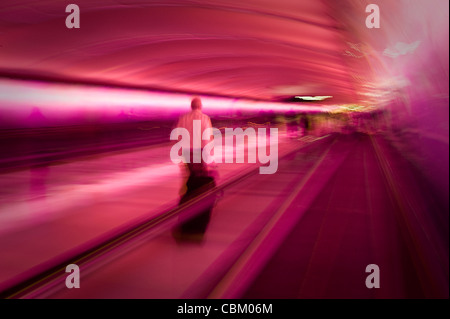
point(313, 98)
point(401, 48)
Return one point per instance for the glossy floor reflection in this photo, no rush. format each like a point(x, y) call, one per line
point(336, 205)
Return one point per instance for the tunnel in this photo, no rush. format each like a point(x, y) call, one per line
point(226, 150)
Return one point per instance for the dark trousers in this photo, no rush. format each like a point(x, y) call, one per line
point(198, 182)
point(195, 169)
point(197, 185)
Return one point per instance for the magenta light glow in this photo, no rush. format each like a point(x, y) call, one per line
point(68, 104)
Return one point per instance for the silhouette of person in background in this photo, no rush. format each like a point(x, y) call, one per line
point(291, 124)
point(200, 179)
point(304, 125)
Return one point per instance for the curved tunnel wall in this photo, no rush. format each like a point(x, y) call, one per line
point(409, 61)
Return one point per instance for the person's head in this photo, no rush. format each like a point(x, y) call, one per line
point(196, 103)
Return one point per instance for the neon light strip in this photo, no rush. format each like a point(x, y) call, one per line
point(66, 97)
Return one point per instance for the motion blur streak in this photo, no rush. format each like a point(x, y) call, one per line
point(40, 104)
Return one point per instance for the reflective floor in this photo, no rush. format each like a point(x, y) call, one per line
point(337, 204)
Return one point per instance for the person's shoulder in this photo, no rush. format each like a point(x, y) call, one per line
point(205, 116)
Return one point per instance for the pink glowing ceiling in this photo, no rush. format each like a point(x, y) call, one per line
point(261, 49)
